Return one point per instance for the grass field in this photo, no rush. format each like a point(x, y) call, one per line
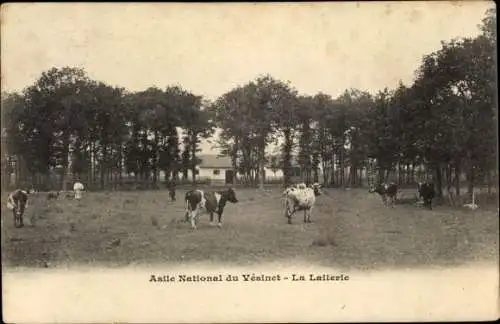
point(351, 229)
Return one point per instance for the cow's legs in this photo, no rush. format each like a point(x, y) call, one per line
point(305, 215)
point(289, 215)
point(193, 216)
point(15, 218)
point(220, 220)
point(18, 218)
point(211, 218)
point(428, 203)
point(288, 212)
point(286, 209)
point(309, 212)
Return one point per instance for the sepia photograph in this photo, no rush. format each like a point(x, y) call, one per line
point(249, 162)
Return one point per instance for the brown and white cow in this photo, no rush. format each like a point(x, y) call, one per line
point(17, 202)
point(301, 198)
point(386, 190)
point(199, 201)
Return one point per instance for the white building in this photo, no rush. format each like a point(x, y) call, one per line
point(220, 169)
point(215, 168)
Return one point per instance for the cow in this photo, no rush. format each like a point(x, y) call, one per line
point(199, 201)
point(301, 198)
point(53, 195)
point(426, 192)
point(386, 190)
point(17, 201)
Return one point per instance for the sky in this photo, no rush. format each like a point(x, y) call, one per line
point(209, 48)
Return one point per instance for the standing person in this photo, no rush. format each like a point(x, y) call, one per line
point(171, 190)
point(78, 189)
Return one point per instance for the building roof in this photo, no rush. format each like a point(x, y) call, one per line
point(212, 161)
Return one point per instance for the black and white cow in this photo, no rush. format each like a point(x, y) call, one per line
point(199, 201)
point(426, 192)
point(17, 202)
point(387, 191)
point(301, 198)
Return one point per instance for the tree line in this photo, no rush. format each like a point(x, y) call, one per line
point(103, 130)
point(445, 120)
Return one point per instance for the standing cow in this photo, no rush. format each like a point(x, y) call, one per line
point(199, 201)
point(301, 198)
point(17, 202)
point(426, 192)
point(387, 191)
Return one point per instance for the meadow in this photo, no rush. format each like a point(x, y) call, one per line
point(351, 229)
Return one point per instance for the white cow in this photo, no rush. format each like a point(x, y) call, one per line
point(301, 198)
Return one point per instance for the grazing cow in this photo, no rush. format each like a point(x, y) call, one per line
point(198, 202)
point(53, 195)
point(426, 192)
point(78, 188)
point(301, 198)
point(386, 190)
point(17, 202)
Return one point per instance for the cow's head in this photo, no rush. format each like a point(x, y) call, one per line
point(423, 184)
point(379, 188)
point(231, 195)
point(301, 185)
point(316, 187)
point(290, 189)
